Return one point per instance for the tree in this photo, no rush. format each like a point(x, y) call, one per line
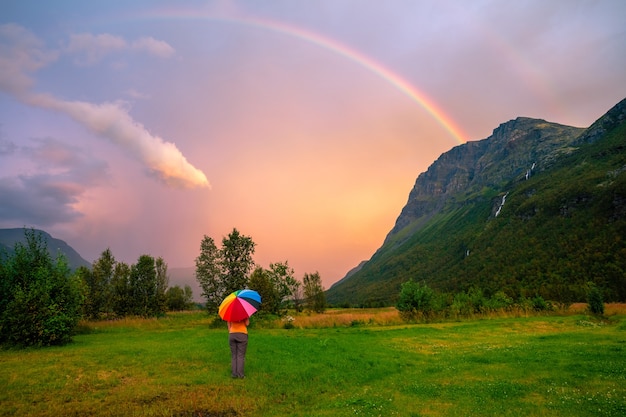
point(143, 287)
point(82, 275)
point(98, 285)
point(179, 299)
point(40, 300)
point(416, 301)
point(595, 300)
point(120, 283)
point(222, 271)
point(139, 289)
point(188, 297)
point(275, 285)
point(314, 296)
point(208, 273)
point(282, 279)
point(162, 282)
point(296, 295)
point(260, 282)
point(237, 251)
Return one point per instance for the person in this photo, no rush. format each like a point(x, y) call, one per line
point(238, 341)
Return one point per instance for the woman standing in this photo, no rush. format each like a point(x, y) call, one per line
point(238, 341)
point(236, 309)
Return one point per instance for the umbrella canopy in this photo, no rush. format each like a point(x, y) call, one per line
point(240, 305)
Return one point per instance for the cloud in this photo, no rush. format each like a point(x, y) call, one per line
point(65, 173)
point(137, 95)
point(72, 163)
point(153, 46)
point(91, 49)
point(22, 53)
point(112, 121)
point(37, 200)
point(7, 147)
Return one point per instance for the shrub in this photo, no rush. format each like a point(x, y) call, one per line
point(595, 301)
point(470, 303)
point(417, 301)
point(179, 299)
point(539, 304)
point(461, 305)
point(525, 304)
point(41, 300)
point(499, 301)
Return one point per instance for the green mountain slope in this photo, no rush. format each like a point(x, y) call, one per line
point(9, 237)
point(535, 209)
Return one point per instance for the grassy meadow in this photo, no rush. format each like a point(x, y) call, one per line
point(342, 363)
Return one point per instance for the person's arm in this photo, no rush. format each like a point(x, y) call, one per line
point(247, 322)
point(228, 325)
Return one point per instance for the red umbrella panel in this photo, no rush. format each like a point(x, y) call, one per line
point(240, 305)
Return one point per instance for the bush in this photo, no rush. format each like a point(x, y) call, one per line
point(470, 303)
point(179, 299)
point(595, 300)
point(417, 301)
point(461, 306)
point(499, 301)
point(41, 300)
point(539, 304)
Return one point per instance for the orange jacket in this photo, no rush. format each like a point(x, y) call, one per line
point(238, 327)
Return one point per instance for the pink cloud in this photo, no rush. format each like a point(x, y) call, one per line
point(112, 121)
point(23, 53)
point(153, 46)
point(91, 49)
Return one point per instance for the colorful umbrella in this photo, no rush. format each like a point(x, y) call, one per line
point(240, 305)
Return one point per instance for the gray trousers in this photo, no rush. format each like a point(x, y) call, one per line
point(238, 344)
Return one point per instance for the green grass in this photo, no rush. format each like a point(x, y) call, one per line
point(179, 366)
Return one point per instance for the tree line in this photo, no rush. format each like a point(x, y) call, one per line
point(42, 300)
point(220, 271)
point(114, 289)
point(419, 302)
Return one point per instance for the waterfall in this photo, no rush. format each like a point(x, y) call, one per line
point(529, 171)
point(501, 204)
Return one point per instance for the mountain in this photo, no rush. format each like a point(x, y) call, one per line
point(352, 272)
point(537, 208)
point(9, 237)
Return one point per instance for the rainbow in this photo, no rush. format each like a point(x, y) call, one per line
point(334, 46)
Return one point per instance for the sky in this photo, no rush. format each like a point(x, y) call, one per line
point(142, 126)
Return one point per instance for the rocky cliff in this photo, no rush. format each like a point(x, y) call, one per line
point(516, 149)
